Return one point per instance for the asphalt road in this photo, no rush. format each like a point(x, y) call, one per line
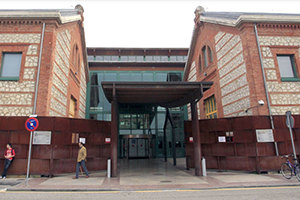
point(218, 194)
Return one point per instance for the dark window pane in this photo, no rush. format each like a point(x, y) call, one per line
point(96, 116)
point(96, 98)
point(11, 64)
point(174, 77)
point(96, 78)
point(285, 66)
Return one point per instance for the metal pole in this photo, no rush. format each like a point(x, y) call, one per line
point(265, 85)
point(291, 134)
point(29, 156)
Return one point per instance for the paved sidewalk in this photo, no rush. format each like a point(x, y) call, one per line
point(152, 175)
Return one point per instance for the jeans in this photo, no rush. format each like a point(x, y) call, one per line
point(81, 163)
point(6, 166)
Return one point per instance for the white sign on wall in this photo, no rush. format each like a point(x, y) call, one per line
point(222, 139)
point(42, 137)
point(264, 135)
point(82, 140)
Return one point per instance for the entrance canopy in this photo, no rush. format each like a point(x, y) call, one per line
point(165, 94)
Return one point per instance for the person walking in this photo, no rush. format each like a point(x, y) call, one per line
point(9, 155)
point(81, 158)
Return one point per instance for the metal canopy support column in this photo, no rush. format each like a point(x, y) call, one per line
point(165, 136)
point(196, 139)
point(114, 135)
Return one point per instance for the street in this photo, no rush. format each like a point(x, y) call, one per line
point(260, 193)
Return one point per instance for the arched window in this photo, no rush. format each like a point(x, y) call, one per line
point(200, 63)
point(206, 55)
point(76, 57)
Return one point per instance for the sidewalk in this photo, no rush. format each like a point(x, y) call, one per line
point(152, 175)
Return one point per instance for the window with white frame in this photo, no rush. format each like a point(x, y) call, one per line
point(11, 65)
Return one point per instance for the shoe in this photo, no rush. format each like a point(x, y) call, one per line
point(86, 176)
point(4, 177)
point(0, 177)
point(75, 177)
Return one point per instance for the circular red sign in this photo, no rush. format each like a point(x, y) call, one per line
point(31, 124)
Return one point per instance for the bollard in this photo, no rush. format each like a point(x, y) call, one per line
point(203, 167)
point(108, 168)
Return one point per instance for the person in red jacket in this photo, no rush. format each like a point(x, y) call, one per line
point(9, 155)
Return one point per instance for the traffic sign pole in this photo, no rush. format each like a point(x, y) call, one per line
point(29, 157)
point(290, 123)
point(31, 125)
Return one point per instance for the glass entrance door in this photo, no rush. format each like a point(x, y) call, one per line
point(138, 148)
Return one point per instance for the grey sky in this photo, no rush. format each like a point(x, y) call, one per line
point(148, 23)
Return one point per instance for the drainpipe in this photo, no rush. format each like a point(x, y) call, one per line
point(265, 84)
point(38, 72)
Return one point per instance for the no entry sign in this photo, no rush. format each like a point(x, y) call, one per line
point(31, 124)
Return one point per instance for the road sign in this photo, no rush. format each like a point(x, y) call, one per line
point(289, 120)
point(31, 124)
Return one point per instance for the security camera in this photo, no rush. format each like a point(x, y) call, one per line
point(261, 102)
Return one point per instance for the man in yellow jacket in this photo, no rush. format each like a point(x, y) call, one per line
point(81, 158)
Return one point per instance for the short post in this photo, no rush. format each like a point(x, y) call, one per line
point(108, 168)
point(203, 167)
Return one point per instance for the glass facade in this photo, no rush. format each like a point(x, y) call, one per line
point(138, 120)
point(137, 58)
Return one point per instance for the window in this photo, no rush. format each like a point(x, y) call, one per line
point(206, 56)
point(72, 107)
point(76, 60)
point(210, 108)
point(11, 64)
point(286, 66)
point(200, 64)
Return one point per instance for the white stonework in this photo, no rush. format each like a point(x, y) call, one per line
point(241, 113)
point(12, 86)
point(58, 107)
point(60, 74)
point(28, 73)
point(20, 38)
point(15, 99)
point(268, 63)
point(31, 61)
point(279, 41)
point(59, 96)
point(292, 87)
point(231, 54)
point(233, 75)
point(15, 111)
point(55, 114)
point(223, 41)
point(266, 52)
point(285, 99)
point(237, 106)
point(271, 74)
point(32, 50)
point(280, 110)
point(218, 36)
point(231, 65)
point(231, 43)
point(239, 94)
point(237, 83)
point(59, 84)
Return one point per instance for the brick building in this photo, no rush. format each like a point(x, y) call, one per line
point(231, 49)
point(44, 49)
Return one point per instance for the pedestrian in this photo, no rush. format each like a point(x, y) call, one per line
point(81, 159)
point(9, 155)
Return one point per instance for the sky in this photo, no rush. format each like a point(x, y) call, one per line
point(148, 24)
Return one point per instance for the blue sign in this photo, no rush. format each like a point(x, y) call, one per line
point(31, 124)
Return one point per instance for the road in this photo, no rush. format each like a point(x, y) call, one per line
point(216, 194)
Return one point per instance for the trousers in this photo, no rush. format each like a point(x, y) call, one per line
point(6, 166)
point(81, 163)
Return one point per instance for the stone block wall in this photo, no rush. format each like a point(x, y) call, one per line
point(60, 83)
point(232, 74)
point(82, 98)
point(16, 97)
point(284, 95)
